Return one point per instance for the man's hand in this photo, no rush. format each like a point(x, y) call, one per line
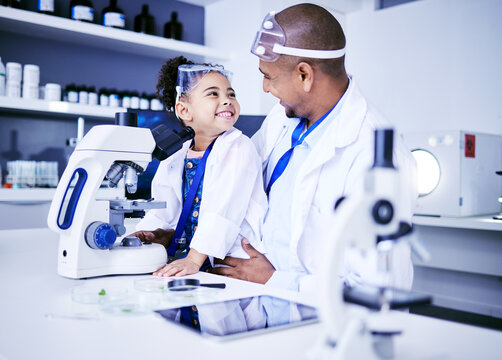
point(159, 236)
point(256, 269)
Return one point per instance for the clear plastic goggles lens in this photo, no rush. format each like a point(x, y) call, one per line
point(189, 76)
point(269, 34)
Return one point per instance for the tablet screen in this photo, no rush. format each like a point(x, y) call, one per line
point(237, 318)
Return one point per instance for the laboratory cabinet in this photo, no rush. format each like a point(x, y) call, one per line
point(88, 54)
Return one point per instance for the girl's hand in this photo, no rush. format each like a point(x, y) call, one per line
point(186, 266)
point(179, 267)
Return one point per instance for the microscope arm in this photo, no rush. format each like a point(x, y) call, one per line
point(354, 227)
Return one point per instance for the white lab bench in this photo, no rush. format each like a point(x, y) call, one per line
point(32, 288)
point(465, 269)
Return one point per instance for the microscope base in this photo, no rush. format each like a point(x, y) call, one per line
point(119, 260)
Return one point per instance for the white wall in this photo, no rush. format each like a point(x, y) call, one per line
point(231, 27)
point(431, 64)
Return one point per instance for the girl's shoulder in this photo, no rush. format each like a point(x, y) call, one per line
point(233, 140)
point(234, 137)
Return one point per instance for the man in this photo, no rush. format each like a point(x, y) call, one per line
point(321, 110)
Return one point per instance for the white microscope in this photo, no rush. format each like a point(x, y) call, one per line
point(357, 323)
point(89, 228)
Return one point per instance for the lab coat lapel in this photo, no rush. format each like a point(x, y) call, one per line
point(275, 138)
point(343, 131)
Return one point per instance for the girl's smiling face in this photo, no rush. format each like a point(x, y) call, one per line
point(211, 108)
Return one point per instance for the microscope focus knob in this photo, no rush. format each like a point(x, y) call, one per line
point(383, 212)
point(100, 235)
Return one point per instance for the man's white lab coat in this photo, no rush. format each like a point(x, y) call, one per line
point(335, 167)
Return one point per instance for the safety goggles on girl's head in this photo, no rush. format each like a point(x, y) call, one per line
point(270, 40)
point(189, 76)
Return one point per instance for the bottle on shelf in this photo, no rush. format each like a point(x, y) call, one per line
point(173, 29)
point(12, 3)
point(46, 7)
point(125, 99)
point(70, 93)
point(83, 95)
point(13, 74)
point(155, 103)
point(113, 98)
point(82, 10)
point(93, 96)
point(2, 78)
point(144, 102)
point(103, 95)
point(113, 16)
point(144, 22)
point(134, 100)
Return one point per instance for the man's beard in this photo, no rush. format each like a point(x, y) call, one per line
point(290, 113)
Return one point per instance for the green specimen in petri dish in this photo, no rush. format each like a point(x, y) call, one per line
point(102, 292)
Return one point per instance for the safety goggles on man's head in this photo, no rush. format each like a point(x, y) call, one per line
point(270, 40)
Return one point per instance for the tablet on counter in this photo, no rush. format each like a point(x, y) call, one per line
point(232, 319)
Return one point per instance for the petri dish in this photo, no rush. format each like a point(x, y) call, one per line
point(131, 306)
point(151, 285)
point(97, 294)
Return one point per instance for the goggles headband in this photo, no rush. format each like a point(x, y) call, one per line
point(270, 40)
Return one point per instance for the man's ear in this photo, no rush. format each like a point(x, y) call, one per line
point(305, 75)
point(181, 109)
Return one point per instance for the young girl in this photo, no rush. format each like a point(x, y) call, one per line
point(229, 202)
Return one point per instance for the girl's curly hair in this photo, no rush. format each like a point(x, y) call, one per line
point(166, 84)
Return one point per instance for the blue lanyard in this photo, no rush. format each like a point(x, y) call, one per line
point(180, 227)
point(295, 141)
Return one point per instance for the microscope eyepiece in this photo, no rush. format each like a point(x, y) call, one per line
point(187, 133)
point(384, 142)
point(168, 142)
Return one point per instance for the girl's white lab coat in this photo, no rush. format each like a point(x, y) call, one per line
point(335, 168)
point(233, 201)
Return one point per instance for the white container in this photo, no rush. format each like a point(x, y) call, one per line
point(73, 96)
point(126, 101)
point(467, 183)
point(30, 91)
point(156, 105)
point(2, 86)
point(104, 100)
point(13, 72)
point(52, 92)
point(134, 102)
point(31, 74)
point(83, 97)
point(13, 89)
point(114, 100)
point(144, 104)
point(93, 98)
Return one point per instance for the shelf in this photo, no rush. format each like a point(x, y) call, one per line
point(94, 35)
point(484, 222)
point(57, 107)
point(42, 195)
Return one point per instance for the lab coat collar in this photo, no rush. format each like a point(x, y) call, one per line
point(343, 127)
